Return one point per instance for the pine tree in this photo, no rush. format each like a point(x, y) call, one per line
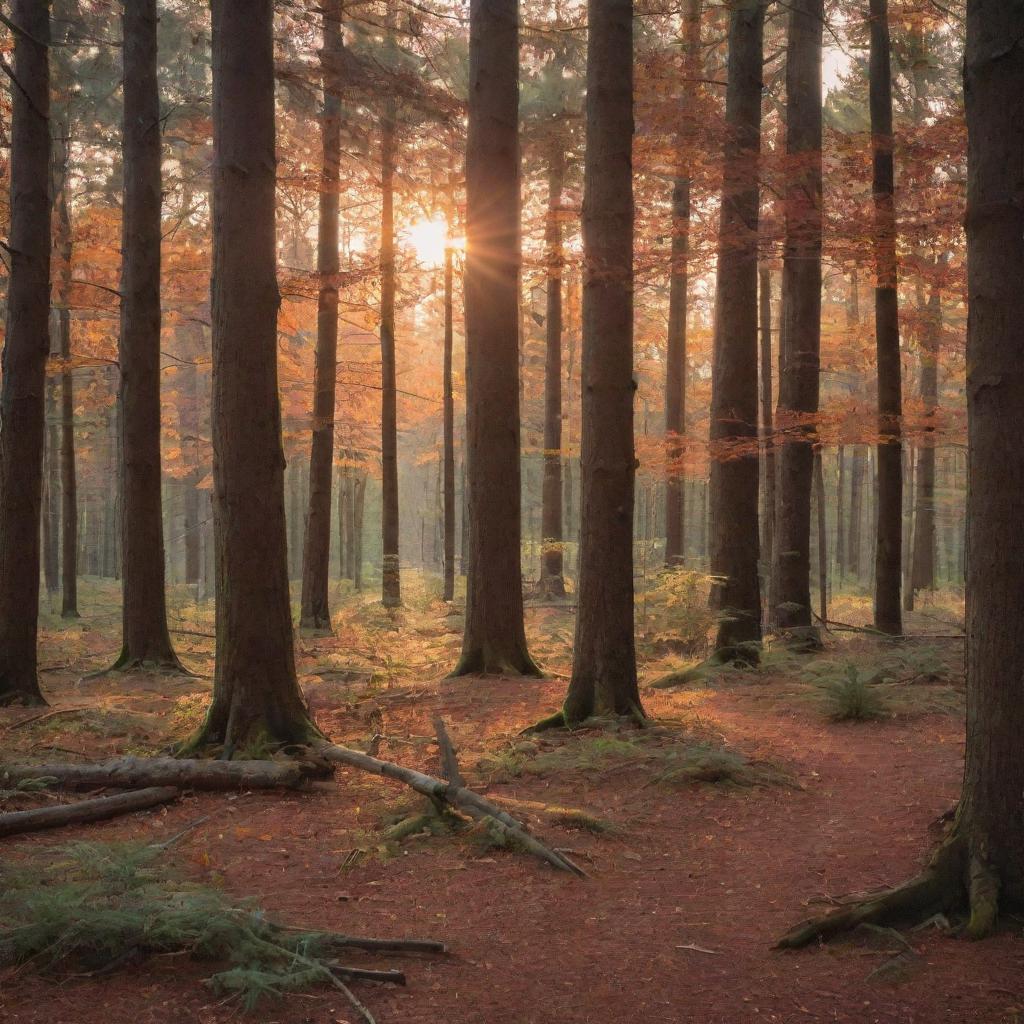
point(146, 641)
point(734, 469)
point(256, 697)
point(495, 637)
point(26, 346)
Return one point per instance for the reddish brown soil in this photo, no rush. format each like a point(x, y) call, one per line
point(675, 925)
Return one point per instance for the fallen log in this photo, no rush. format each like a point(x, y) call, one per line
point(139, 772)
point(98, 809)
point(438, 791)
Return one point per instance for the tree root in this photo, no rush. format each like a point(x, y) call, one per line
point(123, 663)
point(945, 885)
point(745, 655)
point(559, 720)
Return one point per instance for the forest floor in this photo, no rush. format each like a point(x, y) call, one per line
point(745, 809)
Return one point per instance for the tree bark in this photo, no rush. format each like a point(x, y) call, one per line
point(358, 504)
point(494, 640)
point(991, 812)
point(26, 346)
point(552, 582)
point(822, 535)
point(145, 640)
point(51, 491)
point(764, 294)
point(675, 348)
point(604, 680)
point(315, 610)
point(800, 339)
point(889, 522)
point(734, 467)
point(449, 428)
point(68, 474)
point(923, 565)
point(256, 696)
point(391, 585)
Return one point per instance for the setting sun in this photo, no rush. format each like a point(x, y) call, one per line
point(429, 238)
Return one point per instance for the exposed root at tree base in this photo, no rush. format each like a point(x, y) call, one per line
point(745, 655)
point(559, 720)
point(167, 664)
point(947, 884)
point(476, 663)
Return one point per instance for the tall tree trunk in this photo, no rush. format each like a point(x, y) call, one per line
point(822, 535)
point(256, 696)
point(604, 678)
point(316, 556)
point(350, 523)
point(840, 512)
point(675, 349)
point(26, 346)
point(569, 507)
point(188, 422)
point(909, 481)
point(68, 476)
point(51, 491)
point(923, 567)
point(764, 293)
point(145, 639)
point(734, 468)
point(391, 587)
point(889, 523)
point(552, 582)
point(449, 428)
point(358, 503)
point(800, 339)
point(495, 638)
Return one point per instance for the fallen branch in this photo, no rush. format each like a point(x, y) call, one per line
point(847, 627)
point(449, 759)
point(465, 800)
point(136, 772)
point(41, 716)
point(98, 809)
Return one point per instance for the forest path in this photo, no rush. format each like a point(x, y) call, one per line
point(677, 921)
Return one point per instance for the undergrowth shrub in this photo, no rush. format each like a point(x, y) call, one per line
point(95, 906)
point(849, 696)
point(669, 755)
point(673, 612)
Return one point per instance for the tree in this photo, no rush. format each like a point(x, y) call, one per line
point(495, 637)
point(922, 576)
point(800, 339)
point(316, 612)
point(889, 542)
point(26, 346)
point(64, 13)
point(604, 678)
point(734, 468)
point(552, 581)
point(448, 425)
point(981, 863)
point(146, 641)
point(675, 353)
point(256, 696)
point(391, 584)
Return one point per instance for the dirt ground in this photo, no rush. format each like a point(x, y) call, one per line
point(690, 882)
